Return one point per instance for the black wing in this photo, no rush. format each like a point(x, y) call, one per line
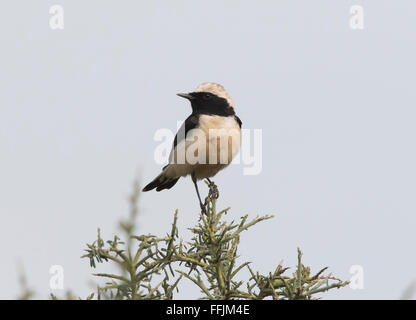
point(190, 123)
point(238, 120)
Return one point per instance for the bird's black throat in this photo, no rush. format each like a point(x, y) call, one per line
point(210, 104)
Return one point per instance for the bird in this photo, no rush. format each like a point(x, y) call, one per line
point(207, 141)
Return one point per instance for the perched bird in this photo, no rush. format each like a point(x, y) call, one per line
point(207, 141)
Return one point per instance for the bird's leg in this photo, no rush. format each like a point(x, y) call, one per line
point(203, 210)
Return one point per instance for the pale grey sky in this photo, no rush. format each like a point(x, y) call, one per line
point(79, 108)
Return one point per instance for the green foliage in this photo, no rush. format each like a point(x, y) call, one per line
point(153, 268)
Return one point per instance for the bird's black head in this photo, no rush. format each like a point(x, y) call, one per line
point(214, 100)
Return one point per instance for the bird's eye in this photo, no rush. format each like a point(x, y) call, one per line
point(207, 96)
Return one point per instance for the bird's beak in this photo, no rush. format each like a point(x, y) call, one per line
point(186, 95)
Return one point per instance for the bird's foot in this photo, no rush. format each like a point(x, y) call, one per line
point(213, 190)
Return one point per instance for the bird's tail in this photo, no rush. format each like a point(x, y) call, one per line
point(161, 182)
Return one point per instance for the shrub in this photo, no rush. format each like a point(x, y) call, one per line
point(153, 267)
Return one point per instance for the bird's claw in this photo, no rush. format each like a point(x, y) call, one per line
point(213, 190)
